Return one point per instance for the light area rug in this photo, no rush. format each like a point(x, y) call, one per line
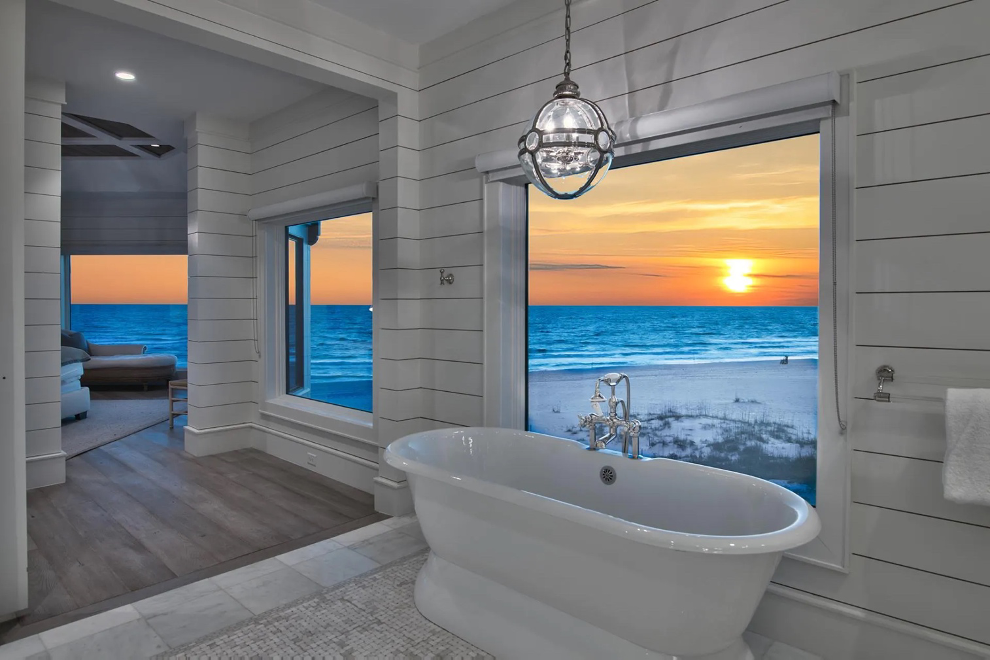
point(109, 420)
point(370, 616)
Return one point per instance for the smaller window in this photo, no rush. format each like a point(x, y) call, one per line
point(328, 313)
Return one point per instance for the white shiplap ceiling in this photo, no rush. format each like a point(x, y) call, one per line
point(415, 21)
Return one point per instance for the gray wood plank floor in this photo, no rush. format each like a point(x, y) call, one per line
point(140, 516)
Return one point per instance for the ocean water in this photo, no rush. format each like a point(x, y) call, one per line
point(340, 355)
point(564, 337)
point(560, 337)
point(162, 328)
point(340, 346)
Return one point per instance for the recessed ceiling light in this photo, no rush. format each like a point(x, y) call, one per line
point(156, 145)
point(125, 75)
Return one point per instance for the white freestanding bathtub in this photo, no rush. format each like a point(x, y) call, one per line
point(533, 555)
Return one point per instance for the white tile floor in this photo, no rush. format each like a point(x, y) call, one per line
point(178, 617)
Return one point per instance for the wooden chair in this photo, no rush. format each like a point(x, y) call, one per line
point(173, 387)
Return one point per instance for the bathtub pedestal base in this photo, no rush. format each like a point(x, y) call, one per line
point(510, 625)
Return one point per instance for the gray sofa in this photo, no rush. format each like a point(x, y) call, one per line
point(126, 364)
point(121, 364)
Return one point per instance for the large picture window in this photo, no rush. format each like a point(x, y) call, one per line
point(328, 311)
point(699, 278)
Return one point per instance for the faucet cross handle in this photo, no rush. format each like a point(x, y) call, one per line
point(590, 422)
point(612, 379)
point(634, 429)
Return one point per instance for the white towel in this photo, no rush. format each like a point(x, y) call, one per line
point(966, 472)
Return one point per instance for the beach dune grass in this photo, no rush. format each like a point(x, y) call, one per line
point(758, 444)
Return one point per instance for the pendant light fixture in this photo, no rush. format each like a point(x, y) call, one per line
point(569, 146)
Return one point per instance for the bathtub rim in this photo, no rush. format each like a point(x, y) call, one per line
point(803, 530)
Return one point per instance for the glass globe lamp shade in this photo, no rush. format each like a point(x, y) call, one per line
point(569, 146)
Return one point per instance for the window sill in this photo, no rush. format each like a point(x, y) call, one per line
point(322, 417)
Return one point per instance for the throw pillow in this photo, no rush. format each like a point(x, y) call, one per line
point(75, 340)
point(72, 355)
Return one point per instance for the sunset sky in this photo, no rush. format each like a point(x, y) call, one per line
point(115, 279)
point(340, 262)
point(736, 227)
point(340, 269)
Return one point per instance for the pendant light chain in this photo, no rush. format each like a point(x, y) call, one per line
point(567, 39)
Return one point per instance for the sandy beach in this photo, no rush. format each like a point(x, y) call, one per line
point(756, 417)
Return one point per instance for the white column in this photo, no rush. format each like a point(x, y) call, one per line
point(42, 285)
point(223, 357)
point(397, 210)
point(13, 517)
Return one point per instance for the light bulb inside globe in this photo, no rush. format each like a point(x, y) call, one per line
point(569, 145)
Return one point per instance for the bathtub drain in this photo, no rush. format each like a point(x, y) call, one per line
point(607, 475)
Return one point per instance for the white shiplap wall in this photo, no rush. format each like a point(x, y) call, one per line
point(222, 348)
point(42, 283)
point(327, 141)
point(397, 371)
point(323, 143)
point(13, 506)
point(921, 227)
point(124, 223)
point(921, 294)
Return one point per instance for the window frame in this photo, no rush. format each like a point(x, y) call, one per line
point(65, 286)
point(506, 255)
point(272, 294)
point(295, 244)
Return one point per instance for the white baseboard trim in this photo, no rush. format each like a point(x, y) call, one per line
point(343, 455)
point(317, 429)
point(832, 629)
point(218, 440)
point(394, 485)
point(392, 497)
point(327, 461)
point(332, 463)
point(45, 470)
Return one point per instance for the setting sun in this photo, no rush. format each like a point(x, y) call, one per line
point(738, 270)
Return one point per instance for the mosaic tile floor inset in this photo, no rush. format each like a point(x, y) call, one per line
point(372, 615)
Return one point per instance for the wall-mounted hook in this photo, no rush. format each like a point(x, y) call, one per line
point(884, 374)
point(446, 279)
